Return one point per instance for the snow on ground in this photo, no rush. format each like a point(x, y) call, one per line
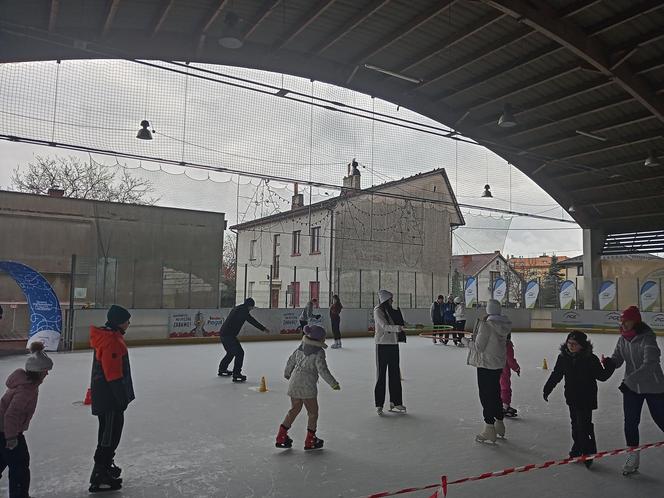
point(192, 434)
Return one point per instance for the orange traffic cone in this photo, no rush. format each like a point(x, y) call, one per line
point(88, 397)
point(544, 365)
point(263, 386)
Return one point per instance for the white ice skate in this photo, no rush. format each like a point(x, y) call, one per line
point(488, 435)
point(500, 429)
point(632, 463)
point(397, 408)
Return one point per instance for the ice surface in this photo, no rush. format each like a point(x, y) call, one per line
point(192, 434)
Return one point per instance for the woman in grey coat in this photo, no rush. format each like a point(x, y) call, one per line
point(644, 381)
point(302, 370)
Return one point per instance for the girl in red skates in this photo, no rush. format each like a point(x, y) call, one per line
point(302, 370)
point(506, 379)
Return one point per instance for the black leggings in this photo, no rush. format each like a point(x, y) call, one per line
point(18, 461)
point(233, 351)
point(336, 321)
point(108, 437)
point(387, 362)
point(583, 432)
point(488, 382)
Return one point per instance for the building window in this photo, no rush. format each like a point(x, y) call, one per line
point(579, 270)
point(252, 250)
point(250, 289)
point(315, 240)
point(296, 243)
point(275, 257)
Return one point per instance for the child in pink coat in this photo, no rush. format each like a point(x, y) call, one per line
point(17, 407)
point(506, 379)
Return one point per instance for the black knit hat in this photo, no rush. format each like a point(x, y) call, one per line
point(116, 316)
point(579, 337)
point(249, 302)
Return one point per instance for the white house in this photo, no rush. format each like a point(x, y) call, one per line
point(486, 268)
point(395, 236)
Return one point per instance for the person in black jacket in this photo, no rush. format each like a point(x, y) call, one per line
point(581, 370)
point(228, 334)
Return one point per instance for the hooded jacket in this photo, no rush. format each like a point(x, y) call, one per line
point(303, 368)
point(641, 355)
point(437, 310)
point(235, 320)
point(308, 313)
point(111, 384)
point(581, 372)
point(488, 346)
point(18, 404)
point(386, 331)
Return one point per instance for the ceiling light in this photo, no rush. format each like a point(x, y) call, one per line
point(144, 133)
point(231, 38)
point(487, 191)
point(507, 118)
point(652, 160)
point(392, 73)
point(590, 135)
point(571, 209)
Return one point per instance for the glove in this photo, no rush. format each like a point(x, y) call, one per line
point(546, 397)
point(337, 387)
point(267, 330)
point(623, 388)
point(11, 443)
point(518, 373)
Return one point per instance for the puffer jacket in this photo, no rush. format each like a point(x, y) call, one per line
point(308, 313)
point(460, 312)
point(303, 368)
point(18, 404)
point(641, 355)
point(581, 372)
point(386, 331)
point(111, 385)
point(488, 346)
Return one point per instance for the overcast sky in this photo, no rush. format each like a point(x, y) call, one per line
point(99, 104)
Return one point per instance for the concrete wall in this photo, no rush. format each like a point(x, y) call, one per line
point(143, 246)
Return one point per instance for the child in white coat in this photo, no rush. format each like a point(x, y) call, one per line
point(303, 368)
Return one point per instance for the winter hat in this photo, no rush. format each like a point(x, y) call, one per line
point(315, 332)
point(579, 337)
point(631, 314)
point(116, 315)
point(493, 307)
point(38, 361)
point(457, 300)
point(249, 302)
point(384, 295)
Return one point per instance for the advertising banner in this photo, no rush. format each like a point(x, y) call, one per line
point(470, 292)
point(607, 295)
point(649, 295)
point(43, 304)
point(589, 319)
point(532, 292)
point(567, 295)
point(190, 323)
point(499, 289)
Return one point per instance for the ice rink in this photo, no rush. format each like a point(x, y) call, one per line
point(192, 434)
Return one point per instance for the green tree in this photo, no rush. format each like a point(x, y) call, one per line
point(551, 284)
point(457, 284)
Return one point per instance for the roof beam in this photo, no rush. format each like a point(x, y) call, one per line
point(164, 9)
point(636, 215)
point(638, 9)
point(556, 120)
point(612, 125)
point(472, 58)
point(212, 17)
point(620, 200)
point(618, 183)
point(451, 40)
point(350, 25)
point(577, 7)
point(417, 21)
point(110, 16)
point(266, 8)
point(546, 21)
point(634, 140)
point(604, 168)
point(53, 15)
point(314, 13)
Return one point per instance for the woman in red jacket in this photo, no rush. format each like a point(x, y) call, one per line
point(17, 407)
point(112, 390)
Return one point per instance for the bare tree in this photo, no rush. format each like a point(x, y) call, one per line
point(229, 270)
point(82, 180)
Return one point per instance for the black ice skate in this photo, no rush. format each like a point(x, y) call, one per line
point(102, 480)
point(224, 373)
point(509, 412)
point(239, 378)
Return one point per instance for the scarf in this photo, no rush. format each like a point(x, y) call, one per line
point(628, 334)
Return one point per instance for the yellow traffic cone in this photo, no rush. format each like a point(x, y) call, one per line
point(544, 365)
point(263, 386)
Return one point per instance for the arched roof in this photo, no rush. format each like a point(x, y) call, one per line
point(565, 66)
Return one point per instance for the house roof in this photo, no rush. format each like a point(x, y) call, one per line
point(331, 203)
point(578, 260)
point(472, 264)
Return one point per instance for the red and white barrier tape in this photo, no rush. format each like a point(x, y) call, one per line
point(442, 486)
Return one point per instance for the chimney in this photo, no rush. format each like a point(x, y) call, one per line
point(352, 181)
point(298, 199)
point(56, 191)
